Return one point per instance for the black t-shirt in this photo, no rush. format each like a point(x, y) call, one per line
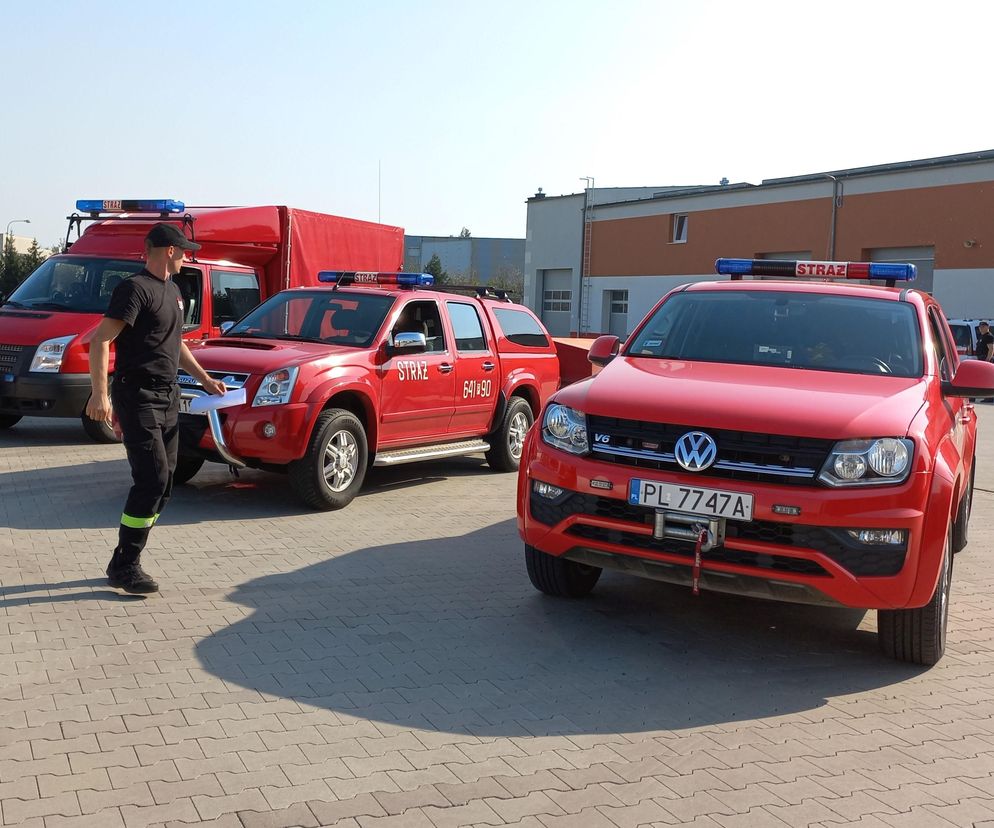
point(148, 347)
point(983, 341)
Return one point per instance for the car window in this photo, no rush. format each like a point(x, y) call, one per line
point(941, 347)
point(823, 332)
point(521, 328)
point(467, 327)
point(425, 318)
point(963, 335)
point(235, 294)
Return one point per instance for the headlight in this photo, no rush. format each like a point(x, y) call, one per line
point(566, 429)
point(276, 387)
point(48, 357)
point(884, 461)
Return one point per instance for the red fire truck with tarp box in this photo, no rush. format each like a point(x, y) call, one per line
point(247, 255)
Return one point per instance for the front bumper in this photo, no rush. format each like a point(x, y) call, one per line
point(244, 439)
point(807, 559)
point(44, 395)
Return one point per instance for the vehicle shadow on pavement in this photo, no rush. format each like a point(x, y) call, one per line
point(449, 635)
point(92, 493)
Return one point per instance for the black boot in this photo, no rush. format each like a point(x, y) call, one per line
point(129, 576)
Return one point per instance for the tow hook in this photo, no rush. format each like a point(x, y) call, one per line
point(705, 543)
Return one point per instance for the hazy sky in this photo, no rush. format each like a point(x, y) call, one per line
point(468, 106)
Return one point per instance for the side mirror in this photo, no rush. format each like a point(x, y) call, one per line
point(974, 378)
point(408, 342)
point(226, 326)
point(604, 349)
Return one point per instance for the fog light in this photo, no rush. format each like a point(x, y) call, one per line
point(547, 490)
point(878, 537)
point(268, 430)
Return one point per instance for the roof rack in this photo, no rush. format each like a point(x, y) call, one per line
point(76, 220)
point(481, 291)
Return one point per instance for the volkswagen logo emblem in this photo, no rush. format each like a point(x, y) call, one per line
point(695, 451)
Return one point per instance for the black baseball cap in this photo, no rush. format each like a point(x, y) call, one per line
point(169, 235)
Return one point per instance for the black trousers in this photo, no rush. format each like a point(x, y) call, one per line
point(149, 419)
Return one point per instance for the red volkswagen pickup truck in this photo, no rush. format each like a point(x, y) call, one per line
point(370, 369)
point(799, 441)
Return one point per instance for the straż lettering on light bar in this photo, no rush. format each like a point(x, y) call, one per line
point(359, 277)
point(135, 205)
point(816, 270)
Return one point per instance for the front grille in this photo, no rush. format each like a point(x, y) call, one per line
point(231, 380)
point(9, 355)
point(834, 543)
point(742, 455)
point(720, 554)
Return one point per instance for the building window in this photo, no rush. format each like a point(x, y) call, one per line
point(557, 301)
point(619, 301)
point(680, 229)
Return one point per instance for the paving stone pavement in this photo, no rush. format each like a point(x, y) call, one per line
point(390, 665)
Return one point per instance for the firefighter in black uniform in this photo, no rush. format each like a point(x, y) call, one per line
point(145, 320)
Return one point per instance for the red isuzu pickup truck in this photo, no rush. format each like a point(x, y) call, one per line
point(799, 441)
point(375, 369)
point(247, 255)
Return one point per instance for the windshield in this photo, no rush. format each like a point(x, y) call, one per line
point(820, 332)
point(329, 316)
point(80, 284)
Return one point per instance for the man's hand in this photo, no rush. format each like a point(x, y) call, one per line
point(98, 408)
point(213, 386)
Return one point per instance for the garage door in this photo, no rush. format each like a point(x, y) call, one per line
point(557, 300)
point(922, 257)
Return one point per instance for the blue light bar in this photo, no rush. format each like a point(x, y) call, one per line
point(358, 277)
point(898, 272)
point(816, 270)
point(137, 205)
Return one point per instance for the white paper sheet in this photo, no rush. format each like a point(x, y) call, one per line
point(211, 402)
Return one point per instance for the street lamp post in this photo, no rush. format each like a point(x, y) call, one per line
point(836, 203)
point(7, 233)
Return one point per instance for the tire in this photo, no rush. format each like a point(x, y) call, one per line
point(98, 432)
point(961, 528)
point(330, 474)
point(507, 440)
point(558, 576)
point(186, 469)
point(919, 635)
point(9, 420)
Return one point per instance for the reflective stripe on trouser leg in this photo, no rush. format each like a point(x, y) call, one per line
point(133, 522)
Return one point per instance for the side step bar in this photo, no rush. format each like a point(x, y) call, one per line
point(435, 452)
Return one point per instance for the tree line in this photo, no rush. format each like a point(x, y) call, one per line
point(15, 267)
point(506, 277)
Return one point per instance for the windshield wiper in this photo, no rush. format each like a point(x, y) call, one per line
point(54, 306)
point(298, 338)
point(15, 305)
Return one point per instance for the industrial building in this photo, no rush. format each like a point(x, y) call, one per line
point(467, 258)
point(596, 261)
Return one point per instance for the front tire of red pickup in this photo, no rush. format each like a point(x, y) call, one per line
point(330, 473)
point(508, 439)
point(919, 635)
point(558, 576)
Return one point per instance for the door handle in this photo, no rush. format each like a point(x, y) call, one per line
point(445, 368)
point(488, 366)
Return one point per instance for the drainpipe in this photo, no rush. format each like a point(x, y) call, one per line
point(836, 203)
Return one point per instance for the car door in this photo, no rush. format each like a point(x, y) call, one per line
point(417, 390)
point(476, 369)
